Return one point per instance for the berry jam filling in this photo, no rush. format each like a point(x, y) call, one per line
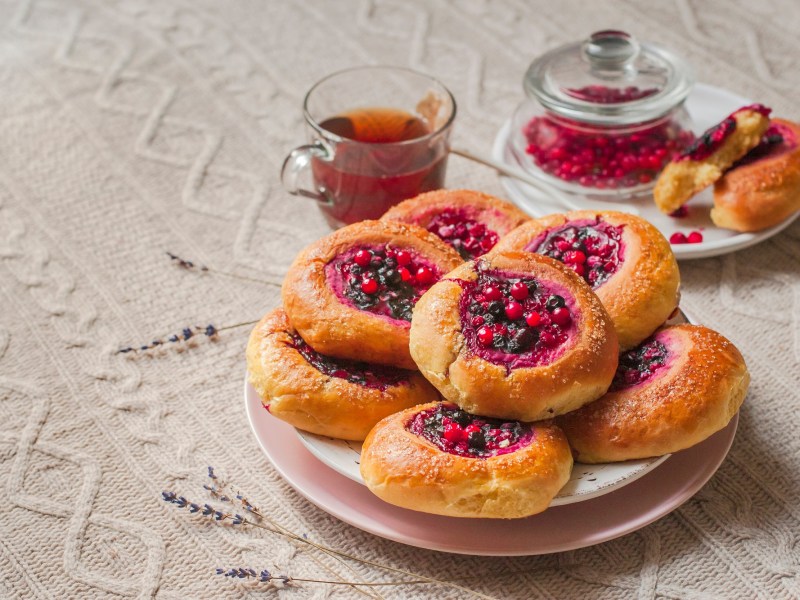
point(468, 236)
point(640, 364)
point(712, 139)
point(601, 94)
point(515, 320)
point(603, 157)
point(593, 249)
point(371, 376)
point(381, 280)
point(775, 141)
point(452, 430)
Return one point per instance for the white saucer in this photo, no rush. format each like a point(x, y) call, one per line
point(707, 105)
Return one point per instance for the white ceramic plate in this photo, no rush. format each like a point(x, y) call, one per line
point(557, 529)
point(707, 105)
point(586, 482)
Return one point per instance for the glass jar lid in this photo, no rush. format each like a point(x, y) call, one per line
point(609, 79)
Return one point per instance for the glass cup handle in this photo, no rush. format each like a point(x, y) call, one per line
point(296, 163)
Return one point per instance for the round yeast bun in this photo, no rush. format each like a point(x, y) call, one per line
point(408, 470)
point(762, 193)
point(341, 399)
point(497, 216)
point(644, 290)
point(696, 392)
point(684, 177)
point(578, 372)
point(335, 326)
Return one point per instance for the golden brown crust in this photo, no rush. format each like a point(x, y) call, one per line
point(407, 470)
point(581, 374)
point(336, 329)
point(761, 194)
point(682, 179)
point(695, 396)
point(644, 291)
point(301, 395)
point(498, 215)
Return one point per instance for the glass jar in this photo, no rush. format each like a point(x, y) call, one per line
point(603, 116)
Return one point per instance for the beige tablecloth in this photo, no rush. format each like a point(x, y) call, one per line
point(131, 128)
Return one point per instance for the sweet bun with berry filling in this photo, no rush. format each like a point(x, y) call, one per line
point(350, 294)
point(626, 261)
point(470, 221)
point(423, 459)
point(514, 336)
point(673, 391)
point(762, 189)
point(323, 395)
point(711, 154)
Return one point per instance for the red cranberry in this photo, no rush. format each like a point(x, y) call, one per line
point(369, 286)
point(477, 321)
point(678, 238)
point(579, 268)
point(485, 336)
point(424, 275)
point(548, 339)
point(471, 428)
point(533, 319)
point(514, 310)
point(519, 291)
point(694, 237)
point(363, 258)
point(562, 317)
point(491, 292)
point(403, 257)
point(574, 257)
point(453, 433)
point(405, 274)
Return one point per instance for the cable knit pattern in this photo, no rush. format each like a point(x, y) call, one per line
point(134, 127)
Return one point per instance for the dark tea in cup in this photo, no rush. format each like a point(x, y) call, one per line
point(364, 160)
point(358, 177)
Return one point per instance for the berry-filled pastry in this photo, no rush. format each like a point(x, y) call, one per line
point(763, 188)
point(626, 261)
point(711, 154)
point(471, 222)
point(350, 294)
point(438, 459)
point(671, 392)
point(324, 395)
point(514, 336)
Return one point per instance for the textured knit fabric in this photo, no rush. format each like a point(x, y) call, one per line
point(130, 128)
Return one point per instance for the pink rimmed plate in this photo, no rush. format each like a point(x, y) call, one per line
point(557, 529)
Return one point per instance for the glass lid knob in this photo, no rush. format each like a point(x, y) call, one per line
point(610, 50)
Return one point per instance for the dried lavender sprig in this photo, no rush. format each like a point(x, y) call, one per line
point(192, 266)
point(210, 331)
point(216, 489)
point(264, 576)
point(280, 530)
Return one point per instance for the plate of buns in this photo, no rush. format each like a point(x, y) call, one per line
point(737, 185)
point(486, 367)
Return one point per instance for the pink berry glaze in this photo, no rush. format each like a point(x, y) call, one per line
point(592, 248)
point(372, 376)
point(381, 280)
point(712, 139)
point(641, 364)
point(601, 157)
point(777, 140)
point(516, 320)
point(469, 237)
point(452, 430)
